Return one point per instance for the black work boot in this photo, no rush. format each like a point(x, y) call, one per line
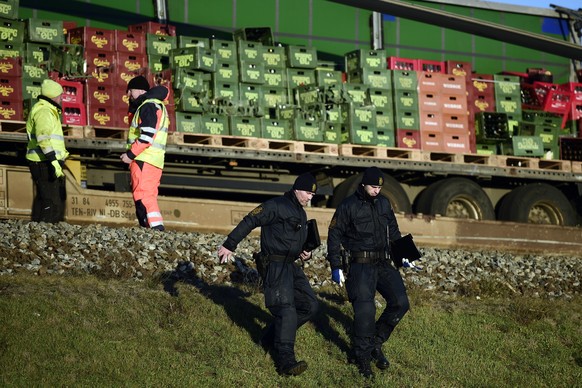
point(365, 369)
point(293, 368)
point(381, 360)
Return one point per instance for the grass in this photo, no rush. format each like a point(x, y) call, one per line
point(85, 331)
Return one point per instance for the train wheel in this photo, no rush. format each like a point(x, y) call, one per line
point(391, 189)
point(457, 198)
point(537, 203)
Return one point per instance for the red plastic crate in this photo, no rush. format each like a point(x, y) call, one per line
point(406, 138)
point(11, 110)
point(431, 121)
point(458, 68)
point(11, 67)
point(130, 42)
point(11, 88)
point(456, 143)
point(453, 123)
point(102, 116)
point(128, 66)
point(482, 84)
point(122, 117)
point(454, 103)
point(481, 103)
point(431, 141)
point(429, 101)
point(573, 87)
point(74, 113)
point(396, 63)
point(73, 92)
point(153, 28)
point(454, 84)
point(429, 82)
point(93, 38)
point(431, 66)
point(103, 95)
point(557, 101)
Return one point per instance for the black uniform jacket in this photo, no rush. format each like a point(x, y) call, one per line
point(283, 227)
point(361, 223)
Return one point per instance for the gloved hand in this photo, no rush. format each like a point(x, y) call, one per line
point(337, 275)
point(410, 264)
point(58, 169)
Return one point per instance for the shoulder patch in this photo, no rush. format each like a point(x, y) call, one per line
point(257, 210)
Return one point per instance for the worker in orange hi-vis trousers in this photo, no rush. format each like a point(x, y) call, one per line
point(146, 147)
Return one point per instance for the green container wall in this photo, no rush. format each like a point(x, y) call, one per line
point(333, 29)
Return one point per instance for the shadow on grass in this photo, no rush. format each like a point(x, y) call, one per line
point(249, 316)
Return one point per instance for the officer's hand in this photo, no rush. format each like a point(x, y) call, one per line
point(410, 264)
point(224, 254)
point(58, 169)
point(337, 275)
point(305, 255)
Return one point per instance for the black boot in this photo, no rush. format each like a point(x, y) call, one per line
point(381, 360)
point(365, 369)
point(293, 368)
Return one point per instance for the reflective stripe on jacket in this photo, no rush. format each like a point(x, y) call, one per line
point(154, 136)
point(45, 132)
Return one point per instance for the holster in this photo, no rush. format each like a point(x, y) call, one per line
point(262, 262)
point(345, 255)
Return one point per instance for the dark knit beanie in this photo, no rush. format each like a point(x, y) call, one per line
point(373, 177)
point(140, 83)
point(305, 182)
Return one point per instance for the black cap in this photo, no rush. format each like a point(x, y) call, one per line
point(373, 177)
point(305, 182)
point(140, 83)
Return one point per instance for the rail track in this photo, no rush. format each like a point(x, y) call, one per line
point(198, 215)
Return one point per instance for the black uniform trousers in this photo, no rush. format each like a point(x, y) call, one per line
point(292, 302)
point(364, 279)
point(50, 195)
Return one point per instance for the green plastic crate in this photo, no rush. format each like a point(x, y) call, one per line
point(213, 124)
point(278, 129)
point(245, 126)
point(188, 122)
point(307, 130)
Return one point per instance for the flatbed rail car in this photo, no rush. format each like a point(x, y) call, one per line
point(245, 169)
point(88, 206)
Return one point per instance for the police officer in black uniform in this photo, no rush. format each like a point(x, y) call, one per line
point(288, 295)
point(363, 224)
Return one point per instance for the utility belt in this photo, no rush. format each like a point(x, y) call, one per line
point(368, 257)
point(280, 258)
point(262, 261)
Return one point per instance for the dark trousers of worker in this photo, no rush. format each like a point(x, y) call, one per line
point(292, 302)
point(362, 283)
point(145, 180)
point(50, 195)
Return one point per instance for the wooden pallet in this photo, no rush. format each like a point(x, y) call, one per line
point(302, 147)
point(74, 132)
point(105, 133)
point(182, 138)
point(576, 167)
point(13, 126)
point(382, 152)
point(534, 163)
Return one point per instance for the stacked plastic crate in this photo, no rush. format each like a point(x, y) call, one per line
point(160, 40)
point(370, 119)
point(11, 47)
point(307, 117)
